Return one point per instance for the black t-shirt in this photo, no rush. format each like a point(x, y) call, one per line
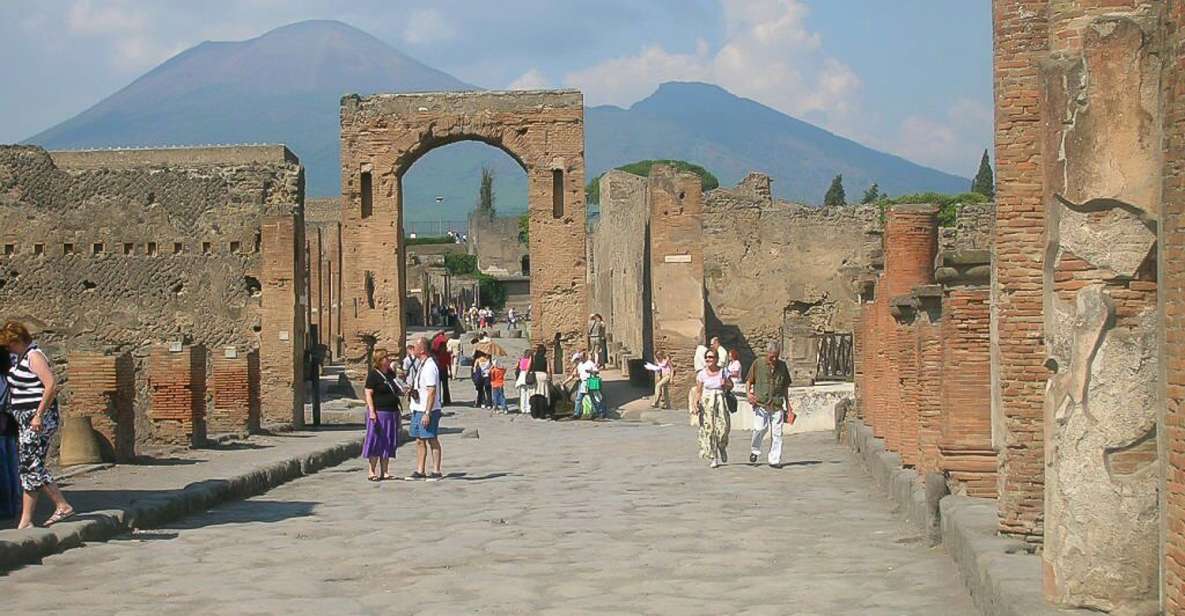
point(385, 398)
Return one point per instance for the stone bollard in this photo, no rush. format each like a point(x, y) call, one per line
point(80, 442)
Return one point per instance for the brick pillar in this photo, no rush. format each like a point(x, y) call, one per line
point(103, 387)
point(862, 344)
point(677, 270)
point(177, 381)
point(235, 389)
point(930, 364)
point(905, 355)
point(911, 243)
point(878, 359)
point(965, 440)
point(281, 344)
point(316, 282)
point(1021, 40)
point(1172, 309)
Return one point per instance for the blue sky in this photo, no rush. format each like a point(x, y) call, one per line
point(912, 77)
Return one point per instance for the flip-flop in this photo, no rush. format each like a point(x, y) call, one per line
point(373, 478)
point(58, 516)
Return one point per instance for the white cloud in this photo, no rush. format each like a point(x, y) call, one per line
point(952, 143)
point(533, 79)
point(770, 56)
point(126, 27)
point(427, 26)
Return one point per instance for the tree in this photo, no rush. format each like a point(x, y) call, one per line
point(872, 195)
point(708, 181)
point(485, 196)
point(984, 183)
point(835, 194)
point(524, 228)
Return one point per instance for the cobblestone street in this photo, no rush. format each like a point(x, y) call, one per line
point(535, 517)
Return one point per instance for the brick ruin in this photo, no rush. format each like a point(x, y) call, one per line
point(383, 135)
point(136, 267)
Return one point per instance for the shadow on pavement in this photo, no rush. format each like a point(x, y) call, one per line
point(244, 512)
point(466, 477)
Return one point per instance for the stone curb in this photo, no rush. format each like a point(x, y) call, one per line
point(1004, 579)
point(25, 547)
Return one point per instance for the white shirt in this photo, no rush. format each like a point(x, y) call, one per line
point(701, 351)
point(586, 369)
point(428, 376)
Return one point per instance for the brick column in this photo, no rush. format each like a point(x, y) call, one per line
point(965, 440)
point(235, 389)
point(677, 270)
point(103, 387)
point(281, 344)
point(911, 243)
point(904, 345)
point(1021, 40)
point(177, 381)
point(928, 325)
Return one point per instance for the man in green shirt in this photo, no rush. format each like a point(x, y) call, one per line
point(769, 380)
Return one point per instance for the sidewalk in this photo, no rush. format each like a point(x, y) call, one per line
point(116, 500)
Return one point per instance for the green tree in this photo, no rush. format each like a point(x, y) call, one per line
point(708, 181)
point(524, 228)
point(984, 183)
point(485, 195)
point(872, 195)
point(835, 194)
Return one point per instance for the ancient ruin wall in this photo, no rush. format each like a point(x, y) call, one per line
point(494, 239)
point(383, 135)
point(618, 267)
point(147, 250)
point(771, 264)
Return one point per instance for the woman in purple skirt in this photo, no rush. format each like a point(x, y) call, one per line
point(382, 416)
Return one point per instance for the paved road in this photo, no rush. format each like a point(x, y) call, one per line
point(537, 518)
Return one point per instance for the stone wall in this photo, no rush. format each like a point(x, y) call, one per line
point(775, 269)
point(119, 251)
point(618, 264)
point(494, 239)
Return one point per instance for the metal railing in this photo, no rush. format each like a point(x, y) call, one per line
point(835, 358)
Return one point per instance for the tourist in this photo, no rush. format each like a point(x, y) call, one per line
point(524, 381)
point(444, 362)
point(481, 379)
point(662, 381)
point(541, 393)
point(382, 416)
point(590, 385)
point(734, 368)
point(769, 380)
point(511, 318)
point(497, 387)
point(10, 480)
point(596, 338)
point(32, 390)
point(455, 350)
point(425, 412)
point(711, 383)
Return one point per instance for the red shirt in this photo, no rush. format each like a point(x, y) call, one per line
point(440, 353)
point(497, 376)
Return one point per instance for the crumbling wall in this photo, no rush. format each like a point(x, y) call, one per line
point(117, 251)
point(494, 239)
point(618, 265)
point(772, 264)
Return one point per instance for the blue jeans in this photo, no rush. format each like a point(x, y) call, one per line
point(499, 398)
point(598, 403)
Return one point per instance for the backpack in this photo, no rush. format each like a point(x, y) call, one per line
point(587, 411)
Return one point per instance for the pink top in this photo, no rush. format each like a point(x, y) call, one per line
point(524, 364)
point(712, 381)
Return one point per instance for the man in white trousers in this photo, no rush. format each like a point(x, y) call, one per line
point(769, 380)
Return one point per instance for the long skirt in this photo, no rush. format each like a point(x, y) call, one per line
point(34, 446)
point(10, 482)
point(382, 436)
point(714, 425)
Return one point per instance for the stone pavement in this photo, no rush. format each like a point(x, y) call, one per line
point(535, 517)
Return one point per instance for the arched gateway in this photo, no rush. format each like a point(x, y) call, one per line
point(383, 135)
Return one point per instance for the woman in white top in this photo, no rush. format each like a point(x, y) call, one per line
point(734, 368)
point(714, 423)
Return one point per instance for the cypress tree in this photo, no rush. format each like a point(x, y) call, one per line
point(485, 196)
point(984, 183)
point(835, 194)
point(872, 195)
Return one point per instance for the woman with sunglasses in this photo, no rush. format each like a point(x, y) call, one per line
point(710, 384)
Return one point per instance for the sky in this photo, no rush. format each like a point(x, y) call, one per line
point(911, 77)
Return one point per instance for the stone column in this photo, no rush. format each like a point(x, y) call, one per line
point(965, 439)
point(1103, 162)
point(103, 387)
point(1021, 39)
point(177, 381)
point(904, 354)
point(281, 345)
point(928, 325)
point(677, 271)
point(235, 388)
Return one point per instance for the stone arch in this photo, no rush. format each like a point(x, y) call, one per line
point(382, 136)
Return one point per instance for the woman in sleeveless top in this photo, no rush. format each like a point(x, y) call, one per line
point(31, 390)
point(714, 422)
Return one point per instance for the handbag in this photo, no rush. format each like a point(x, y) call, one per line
point(730, 401)
point(530, 378)
point(593, 383)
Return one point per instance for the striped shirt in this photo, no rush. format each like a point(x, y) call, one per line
point(24, 386)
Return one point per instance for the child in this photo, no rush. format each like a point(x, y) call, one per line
point(497, 386)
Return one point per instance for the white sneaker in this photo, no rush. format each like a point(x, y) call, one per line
point(715, 463)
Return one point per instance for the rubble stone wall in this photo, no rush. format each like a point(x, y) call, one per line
point(494, 239)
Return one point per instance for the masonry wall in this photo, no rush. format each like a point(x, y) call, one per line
point(494, 239)
point(618, 265)
point(118, 251)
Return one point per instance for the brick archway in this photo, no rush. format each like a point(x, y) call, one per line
point(382, 136)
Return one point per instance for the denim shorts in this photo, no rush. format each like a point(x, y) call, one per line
point(417, 429)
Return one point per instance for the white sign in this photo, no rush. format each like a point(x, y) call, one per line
point(283, 334)
point(175, 346)
point(677, 259)
point(230, 352)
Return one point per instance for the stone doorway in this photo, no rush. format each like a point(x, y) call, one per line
point(382, 136)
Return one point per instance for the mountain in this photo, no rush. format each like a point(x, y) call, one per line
point(732, 136)
point(285, 87)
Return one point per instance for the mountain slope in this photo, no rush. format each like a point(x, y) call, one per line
point(285, 87)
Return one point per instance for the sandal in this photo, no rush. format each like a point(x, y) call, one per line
point(58, 516)
point(372, 478)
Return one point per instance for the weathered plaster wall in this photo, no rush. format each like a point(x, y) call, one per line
point(129, 249)
point(494, 239)
point(618, 266)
